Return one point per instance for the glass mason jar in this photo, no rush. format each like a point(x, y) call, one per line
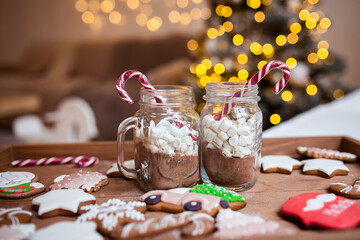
point(165, 139)
point(230, 136)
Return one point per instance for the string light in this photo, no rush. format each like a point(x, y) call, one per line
point(287, 96)
point(256, 48)
point(204, 80)
point(133, 4)
point(295, 27)
point(323, 44)
point(200, 69)
point(212, 33)
point(310, 23)
point(261, 64)
point(304, 14)
point(218, 10)
point(174, 16)
point(243, 74)
point(81, 6)
point(192, 45)
point(228, 26)
point(325, 23)
point(311, 89)
point(254, 3)
point(88, 17)
point(292, 38)
point(192, 68)
point(275, 119)
point(338, 94)
point(219, 68)
point(291, 62)
point(185, 18)
point(207, 63)
point(322, 53)
point(215, 77)
point(312, 58)
point(107, 6)
point(280, 40)
point(115, 17)
point(226, 11)
point(238, 40)
point(234, 79)
point(242, 58)
point(259, 16)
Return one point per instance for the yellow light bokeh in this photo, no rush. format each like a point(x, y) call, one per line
point(275, 119)
point(200, 69)
point(81, 5)
point(204, 80)
point(192, 45)
point(146, 9)
point(234, 79)
point(323, 44)
point(221, 30)
point(242, 58)
point(268, 49)
point(133, 4)
point(254, 3)
point(295, 27)
point(243, 74)
point(182, 3)
point(88, 17)
point(94, 6)
point(185, 19)
point(322, 53)
point(174, 16)
point(311, 89)
point(266, 2)
point(315, 15)
point(238, 40)
point(312, 58)
point(280, 40)
point(226, 11)
point(287, 96)
point(195, 13)
point(313, 2)
point(115, 17)
point(192, 68)
point(261, 64)
point(259, 16)
point(219, 68)
point(154, 24)
point(107, 6)
point(291, 63)
point(207, 63)
point(228, 26)
point(338, 94)
point(212, 33)
point(205, 13)
point(325, 23)
point(304, 14)
point(292, 38)
point(215, 77)
point(141, 19)
point(256, 48)
point(218, 10)
point(310, 23)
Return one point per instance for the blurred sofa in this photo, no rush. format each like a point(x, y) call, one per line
point(52, 71)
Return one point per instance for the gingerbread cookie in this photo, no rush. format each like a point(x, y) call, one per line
point(115, 172)
point(88, 181)
point(154, 226)
point(112, 214)
point(279, 164)
point(349, 191)
point(68, 230)
point(314, 152)
point(324, 167)
point(201, 224)
point(231, 224)
point(19, 185)
point(324, 210)
point(17, 232)
point(16, 215)
point(65, 202)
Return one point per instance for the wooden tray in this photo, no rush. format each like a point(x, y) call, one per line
point(264, 199)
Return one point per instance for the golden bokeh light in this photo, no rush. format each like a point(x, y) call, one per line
point(94, 6)
point(205, 13)
point(338, 94)
point(266, 2)
point(315, 15)
point(291, 63)
point(146, 9)
point(304, 14)
point(212, 33)
point(195, 13)
point(107, 6)
point(268, 49)
point(310, 23)
point(226, 11)
point(243, 74)
point(192, 45)
point(234, 79)
point(295, 27)
point(275, 119)
point(280, 40)
point(287, 96)
point(323, 44)
point(242, 58)
point(311, 89)
point(256, 48)
point(133, 4)
point(182, 3)
point(207, 63)
point(292, 38)
point(154, 24)
point(204, 80)
point(228, 26)
point(219, 68)
point(174, 16)
point(322, 53)
point(312, 58)
point(255, 4)
point(261, 64)
point(259, 16)
point(238, 40)
point(215, 77)
point(200, 69)
point(141, 19)
point(218, 10)
point(185, 19)
point(81, 6)
point(192, 68)
point(325, 23)
point(313, 2)
point(115, 17)
point(221, 30)
point(88, 17)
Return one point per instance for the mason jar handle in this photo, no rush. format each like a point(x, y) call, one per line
point(123, 128)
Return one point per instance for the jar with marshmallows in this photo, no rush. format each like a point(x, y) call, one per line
point(166, 136)
point(230, 135)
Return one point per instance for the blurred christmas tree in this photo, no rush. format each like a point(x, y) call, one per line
point(243, 35)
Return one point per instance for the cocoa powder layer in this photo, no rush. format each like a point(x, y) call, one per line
point(226, 171)
point(164, 171)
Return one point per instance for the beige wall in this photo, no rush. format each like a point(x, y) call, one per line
point(25, 21)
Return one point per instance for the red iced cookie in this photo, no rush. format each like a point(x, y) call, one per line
point(322, 209)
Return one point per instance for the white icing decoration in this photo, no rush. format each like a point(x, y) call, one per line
point(66, 199)
point(327, 166)
point(111, 211)
point(11, 214)
point(180, 190)
point(68, 230)
point(26, 229)
point(59, 178)
point(318, 202)
point(279, 161)
point(37, 185)
point(11, 179)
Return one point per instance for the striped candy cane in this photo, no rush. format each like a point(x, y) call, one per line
point(79, 161)
point(279, 86)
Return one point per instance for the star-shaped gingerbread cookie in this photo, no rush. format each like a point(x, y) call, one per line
point(324, 167)
point(62, 202)
point(279, 164)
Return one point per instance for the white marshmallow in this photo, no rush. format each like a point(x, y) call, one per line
point(227, 146)
point(152, 124)
point(217, 142)
point(241, 121)
point(233, 141)
point(183, 132)
point(210, 145)
point(226, 153)
point(225, 124)
point(176, 142)
point(153, 148)
point(207, 120)
point(209, 135)
point(188, 140)
point(245, 140)
point(168, 137)
point(215, 126)
point(223, 136)
point(244, 130)
point(231, 132)
point(183, 148)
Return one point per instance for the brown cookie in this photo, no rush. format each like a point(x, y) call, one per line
point(314, 152)
point(349, 191)
point(152, 226)
point(324, 167)
point(279, 164)
point(19, 185)
point(113, 214)
point(201, 224)
point(16, 215)
point(87, 181)
point(66, 202)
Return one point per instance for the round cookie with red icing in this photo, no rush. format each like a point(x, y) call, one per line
point(87, 181)
point(19, 185)
point(323, 210)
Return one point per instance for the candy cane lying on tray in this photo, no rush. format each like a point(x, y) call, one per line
point(79, 161)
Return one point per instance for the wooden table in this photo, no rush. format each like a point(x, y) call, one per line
point(264, 199)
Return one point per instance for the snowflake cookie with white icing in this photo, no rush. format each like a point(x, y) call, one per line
point(19, 185)
point(112, 214)
point(87, 181)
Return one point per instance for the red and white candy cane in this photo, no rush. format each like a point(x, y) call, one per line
point(79, 161)
point(279, 86)
point(120, 85)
